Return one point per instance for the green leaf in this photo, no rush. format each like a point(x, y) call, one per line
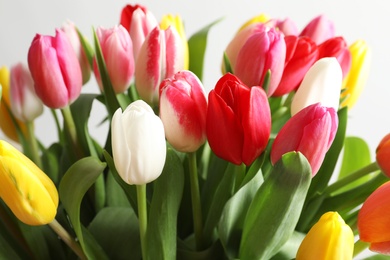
point(36, 240)
point(6, 250)
point(276, 207)
point(167, 193)
point(197, 48)
point(226, 64)
point(87, 48)
point(116, 197)
point(290, 248)
point(215, 251)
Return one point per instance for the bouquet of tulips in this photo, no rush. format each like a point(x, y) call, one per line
point(258, 168)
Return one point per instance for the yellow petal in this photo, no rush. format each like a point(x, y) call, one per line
point(261, 18)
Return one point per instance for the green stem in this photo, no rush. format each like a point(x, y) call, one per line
point(57, 122)
point(142, 217)
point(33, 145)
point(359, 247)
point(195, 198)
point(64, 235)
point(70, 127)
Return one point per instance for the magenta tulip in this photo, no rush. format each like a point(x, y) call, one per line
point(337, 47)
point(238, 122)
point(55, 69)
point(319, 29)
point(311, 131)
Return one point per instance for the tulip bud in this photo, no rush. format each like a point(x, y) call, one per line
point(238, 123)
point(117, 50)
point(262, 52)
point(356, 79)
point(139, 22)
point(27, 191)
point(373, 220)
point(311, 131)
point(336, 47)
point(322, 83)
point(261, 18)
point(161, 56)
point(383, 155)
point(138, 143)
point(183, 109)
point(319, 29)
point(286, 26)
point(55, 69)
point(25, 104)
point(329, 238)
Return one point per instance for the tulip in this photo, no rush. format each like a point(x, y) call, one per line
point(261, 18)
point(139, 22)
point(356, 79)
point(28, 192)
point(55, 69)
point(383, 155)
point(161, 56)
point(373, 220)
point(322, 83)
point(319, 29)
point(330, 238)
point(262, 52)
point(25, 104)
point(71, 32)
point(183, 109)
point(301, 53)
point(238, 123)
point(336, 47)
point(117, 50)
point(311, 131)
point(138, 143)
point(175, 21)
point(286, 26)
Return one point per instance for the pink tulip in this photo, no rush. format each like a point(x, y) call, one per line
point(286, 26)
point(337, 47)
point(319, 29)
point(139, 22)
point(161, 56)
point(117, 51)
point(311, 131)
point(25, 104)
point(55, 69)
point(183, 109)
point(262, 52)
point(238, 122)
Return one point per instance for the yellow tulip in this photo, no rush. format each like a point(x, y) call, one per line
point(7, 125)
point(175, 21)
point(261, 18)
point(357, 76)
point(28, 192)
point(329, 239)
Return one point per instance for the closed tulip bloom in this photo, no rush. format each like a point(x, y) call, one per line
point(161, 56)
point(55, 69)
point(383, 155)
point(286, 26)
point(329, 239)
point(139, 22)
point(183, 109)
point(336, 47)
point(301, 53)
point(27, 191)
point(261, 18)
point(373, 220)
point(356, 79)
point(25, 104)
point(238, 121)
point(138, 143)
point(319, 29)
point(117, 52)
point(262, 52)
point(322, 83)
point(311, 131)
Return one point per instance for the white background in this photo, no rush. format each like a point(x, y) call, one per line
point(354, 19)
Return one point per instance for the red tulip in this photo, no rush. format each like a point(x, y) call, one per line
point(238, 122)
point(383, 155)
point(319, 29)
point(336, 47)
point(311, 131)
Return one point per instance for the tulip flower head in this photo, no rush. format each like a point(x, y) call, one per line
point(329, 239)
point(286, 26)
point(27, 191)
point(383, 155)
point(261, 18)
point(55, 69)
point(373, 220)
point(138, 143)
point(311, 131)
point(238, 121)
point(183, 109)
point(319, 29)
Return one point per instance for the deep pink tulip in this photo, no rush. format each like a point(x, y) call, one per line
point(183, 109)
point(139, 22)
point(319, 29)
point(311, 131)
point(337, 47)
point(238, 122)
point(55, 69)
point(262, 52)
point(117, 50)
point(161, 56)
point(301, 53)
